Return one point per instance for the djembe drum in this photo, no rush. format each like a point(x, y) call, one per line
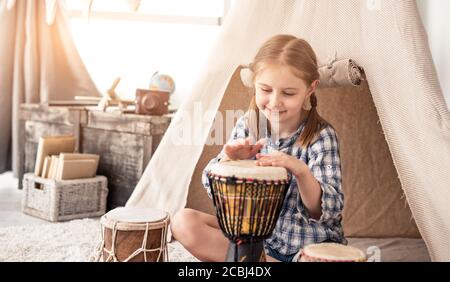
point(248, 201)
point(131, 234)
point(331, 252)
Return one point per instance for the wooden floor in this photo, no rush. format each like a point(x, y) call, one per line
point(11, 203)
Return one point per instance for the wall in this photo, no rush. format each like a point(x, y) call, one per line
point(436, 19)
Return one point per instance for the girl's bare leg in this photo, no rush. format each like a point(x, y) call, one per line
point(200, 234)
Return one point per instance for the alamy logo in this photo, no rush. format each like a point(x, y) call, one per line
point(373, 254)
point(373, 5)
point(192, 124)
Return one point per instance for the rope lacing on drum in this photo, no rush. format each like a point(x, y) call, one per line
point(111, 254)
point(162, 249)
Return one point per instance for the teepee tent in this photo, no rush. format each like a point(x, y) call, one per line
point(393, 129)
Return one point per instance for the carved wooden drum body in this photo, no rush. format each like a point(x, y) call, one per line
point(131, 234)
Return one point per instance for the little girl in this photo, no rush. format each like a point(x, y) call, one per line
point(285, 76)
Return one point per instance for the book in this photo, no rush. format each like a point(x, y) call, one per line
point(52, 169)
point(52, 145)
point(75, 169)
point(70, 159)
point(46, 166)
point(74, 103)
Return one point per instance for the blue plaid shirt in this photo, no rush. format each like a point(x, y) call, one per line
point(295, 228)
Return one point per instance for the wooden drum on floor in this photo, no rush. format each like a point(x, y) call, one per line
point(331, 252)
point(135, 235)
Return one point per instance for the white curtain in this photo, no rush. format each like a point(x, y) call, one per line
point(38, 63)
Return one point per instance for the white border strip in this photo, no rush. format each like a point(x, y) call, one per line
point(147, 17)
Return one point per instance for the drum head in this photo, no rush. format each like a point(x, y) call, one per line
point(334, 252)
point(246, 169)
point(126, 218)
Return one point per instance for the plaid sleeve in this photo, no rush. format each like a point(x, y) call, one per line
point(325, 164)
point(239, 131)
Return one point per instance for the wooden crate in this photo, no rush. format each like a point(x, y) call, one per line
point(125, 142)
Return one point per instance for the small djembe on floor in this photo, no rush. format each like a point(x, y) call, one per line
point(133, 234)
point(331, 252)
point(248, 200)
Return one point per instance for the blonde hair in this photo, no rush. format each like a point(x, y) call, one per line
point(300, 57)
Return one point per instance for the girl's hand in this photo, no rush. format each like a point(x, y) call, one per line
point(277, 158)
point(241, 149)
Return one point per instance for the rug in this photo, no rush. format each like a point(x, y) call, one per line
point(73, 241)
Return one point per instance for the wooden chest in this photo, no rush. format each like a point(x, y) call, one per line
point(125, 142)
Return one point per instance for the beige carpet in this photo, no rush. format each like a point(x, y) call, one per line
point(73, 241)
point(76, 241)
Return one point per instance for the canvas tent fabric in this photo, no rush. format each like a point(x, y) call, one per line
point(39, 63)
point(374, 202)
point(389, 41)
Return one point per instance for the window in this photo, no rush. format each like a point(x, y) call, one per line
point(169, 36)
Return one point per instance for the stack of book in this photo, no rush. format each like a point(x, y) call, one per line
point(56, 159)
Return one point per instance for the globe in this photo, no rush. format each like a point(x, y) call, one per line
point(162, 82)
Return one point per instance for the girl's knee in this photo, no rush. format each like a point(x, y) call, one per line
point(184, 215)
point(183, 223)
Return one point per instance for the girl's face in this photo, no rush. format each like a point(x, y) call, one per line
point(280, 94)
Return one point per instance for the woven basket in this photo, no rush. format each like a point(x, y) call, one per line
point(64, 200)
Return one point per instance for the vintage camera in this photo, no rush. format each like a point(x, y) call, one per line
point(152, 102)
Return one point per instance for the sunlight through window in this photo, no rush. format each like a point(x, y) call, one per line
point(135, 49)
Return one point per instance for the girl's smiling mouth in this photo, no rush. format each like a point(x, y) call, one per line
point(270, 111)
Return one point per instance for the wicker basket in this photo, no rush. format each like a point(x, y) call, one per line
point(64, 200)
